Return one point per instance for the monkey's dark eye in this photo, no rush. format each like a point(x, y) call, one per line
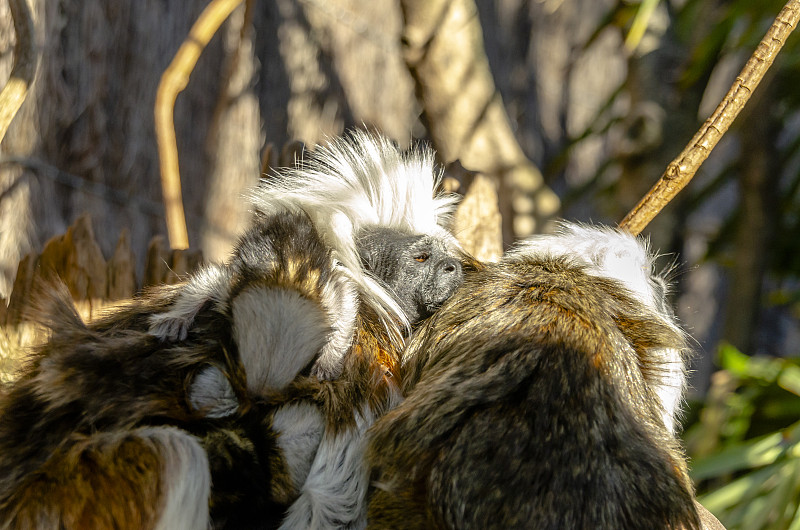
point(422, 258)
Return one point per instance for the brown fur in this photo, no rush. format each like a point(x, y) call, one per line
point(529, 405)
point(72, 417)
point(75, 412)
point(111, 480)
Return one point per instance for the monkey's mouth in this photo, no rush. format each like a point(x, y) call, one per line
point(428, 306)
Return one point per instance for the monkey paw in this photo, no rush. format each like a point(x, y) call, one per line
point(212, 394)
point(169, 327)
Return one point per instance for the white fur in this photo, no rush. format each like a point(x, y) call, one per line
point(604, 252)
point(186, 476)
point(334, 494)
point(298, 429)
point(357, 182)
point(340, 302)
point(212, 393)
point(278, 333)
point(672, 387)
point(346, 186)
point(611, 253)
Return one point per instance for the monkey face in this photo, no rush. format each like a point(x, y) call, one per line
point(421, 271)
point(427, 276)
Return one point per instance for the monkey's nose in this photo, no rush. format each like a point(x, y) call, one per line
point(450, 266)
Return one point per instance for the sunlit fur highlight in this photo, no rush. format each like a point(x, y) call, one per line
point(610, 253)
point(542, 394)
point(355, 182)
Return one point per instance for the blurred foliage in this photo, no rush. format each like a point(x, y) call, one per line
point(703, 38)
point(743, 439)
point(743, 442)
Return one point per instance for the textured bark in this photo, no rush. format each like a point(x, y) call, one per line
point(464, 112)
point(25, 60)
point(234, 140)
point(478, 223)
point(84, 141)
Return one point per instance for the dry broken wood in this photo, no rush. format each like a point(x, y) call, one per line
point(76, 259)
point(681, 170)
point(122, 270)
point(478, 224)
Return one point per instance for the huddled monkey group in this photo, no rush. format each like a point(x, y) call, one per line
point(349, 366)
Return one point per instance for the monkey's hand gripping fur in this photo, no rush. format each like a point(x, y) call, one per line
point(104, 419)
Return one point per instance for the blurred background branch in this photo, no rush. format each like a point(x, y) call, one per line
point(16, 88)
point(174, 80)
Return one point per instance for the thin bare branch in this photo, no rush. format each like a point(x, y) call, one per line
point(681, 170)
point(174, 80)
point(24, 69)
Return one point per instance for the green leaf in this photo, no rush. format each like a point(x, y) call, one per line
point(735, 493)
point(640, 23)
point(789, 379)
point(753, 453)
point(796, 520)
point(767, 511)
point(731, 359)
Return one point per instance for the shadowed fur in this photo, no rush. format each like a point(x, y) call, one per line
point(79, 415)
point(533, 399)
point(273, 364)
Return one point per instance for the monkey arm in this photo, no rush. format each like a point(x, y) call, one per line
point(208, 286)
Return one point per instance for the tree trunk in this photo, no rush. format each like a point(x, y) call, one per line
point(83, 141)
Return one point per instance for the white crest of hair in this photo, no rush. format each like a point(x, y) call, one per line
point(334, 493)
point(612, 253)
point(186, 477)
point(358, 181)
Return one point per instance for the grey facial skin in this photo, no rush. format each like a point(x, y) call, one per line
point(420, 270)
